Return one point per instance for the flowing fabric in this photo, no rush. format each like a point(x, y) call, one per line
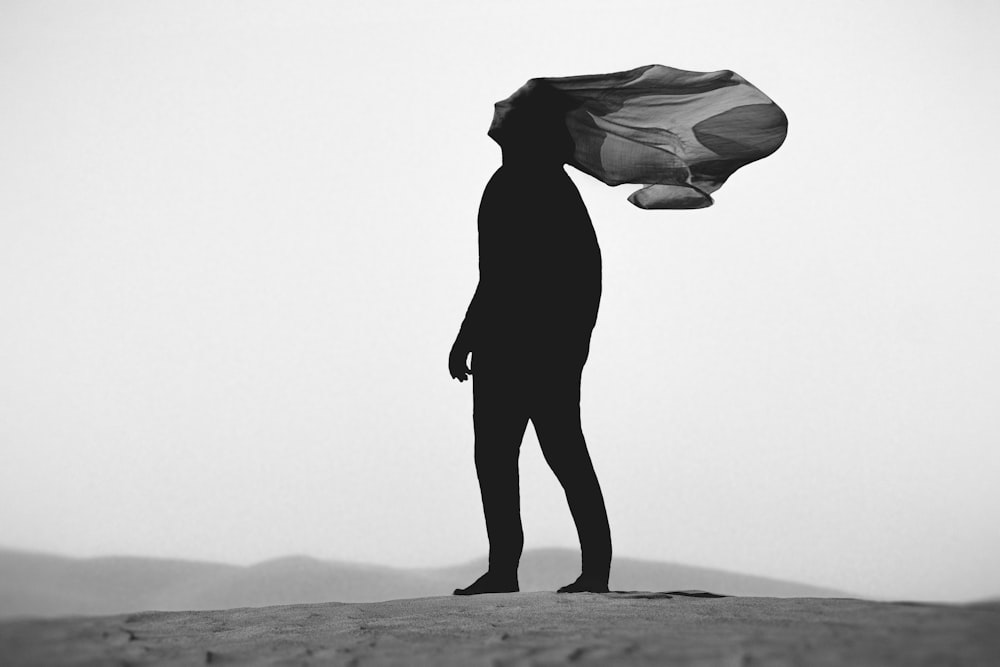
point(681, 134)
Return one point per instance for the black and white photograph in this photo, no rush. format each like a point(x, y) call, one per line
point(499, 333)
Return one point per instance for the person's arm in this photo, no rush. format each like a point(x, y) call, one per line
point(465, 340)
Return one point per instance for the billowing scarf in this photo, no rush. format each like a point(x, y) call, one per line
point(680, 134)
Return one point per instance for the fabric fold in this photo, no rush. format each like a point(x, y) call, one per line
point(678, 133)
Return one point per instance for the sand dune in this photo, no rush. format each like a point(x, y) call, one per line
point(525, 629)
point(42, 585)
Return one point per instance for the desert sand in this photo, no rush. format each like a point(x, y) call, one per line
point(627, 628)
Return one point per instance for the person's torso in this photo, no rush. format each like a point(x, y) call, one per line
point(539, 260)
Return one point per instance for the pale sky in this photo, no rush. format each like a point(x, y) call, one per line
point(237, 240)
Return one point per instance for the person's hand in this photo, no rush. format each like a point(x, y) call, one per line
point(457, 362)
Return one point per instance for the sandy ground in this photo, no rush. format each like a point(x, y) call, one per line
point(525, 629)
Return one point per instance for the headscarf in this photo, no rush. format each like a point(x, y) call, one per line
point(680, 134)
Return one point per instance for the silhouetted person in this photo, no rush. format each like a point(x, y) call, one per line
point(528, 330)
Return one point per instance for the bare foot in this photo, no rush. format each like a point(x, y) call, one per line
point(490, 583)
point(585, 585)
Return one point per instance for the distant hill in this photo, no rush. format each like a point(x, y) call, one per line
point(33, 584)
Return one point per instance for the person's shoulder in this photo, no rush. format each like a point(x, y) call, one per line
point(498, 181)
point(501, 174)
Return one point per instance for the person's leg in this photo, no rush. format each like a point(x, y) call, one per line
point(556, 417)
point(500, 418)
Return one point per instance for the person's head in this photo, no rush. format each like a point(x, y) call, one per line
point(530, 125)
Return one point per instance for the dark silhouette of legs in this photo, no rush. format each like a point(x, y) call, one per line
point(506, 394)
point(560, 435)
point(498, 445)
point(500, 417)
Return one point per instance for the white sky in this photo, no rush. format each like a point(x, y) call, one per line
point(237, 239)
